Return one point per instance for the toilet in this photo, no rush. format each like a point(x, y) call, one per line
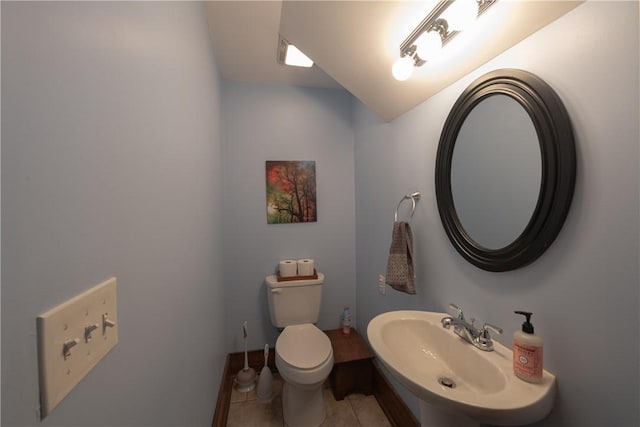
point(304, 356)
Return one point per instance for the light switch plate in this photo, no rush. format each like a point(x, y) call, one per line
point(85, 328)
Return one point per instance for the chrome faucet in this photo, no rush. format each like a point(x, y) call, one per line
point(479, 337)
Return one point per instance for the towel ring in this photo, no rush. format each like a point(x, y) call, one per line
point(414, 197)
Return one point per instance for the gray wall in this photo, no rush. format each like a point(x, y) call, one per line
point(111, 167)
point(584, 289)
point(264, 122)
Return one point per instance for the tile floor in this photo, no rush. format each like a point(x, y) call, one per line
point(355, 410)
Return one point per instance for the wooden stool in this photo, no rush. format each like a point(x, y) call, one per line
point(352, 368)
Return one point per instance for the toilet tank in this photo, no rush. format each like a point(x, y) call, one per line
point(294, 302)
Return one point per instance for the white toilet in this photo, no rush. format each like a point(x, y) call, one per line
point(304, 356)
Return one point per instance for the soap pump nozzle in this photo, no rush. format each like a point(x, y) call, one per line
point(526, 326)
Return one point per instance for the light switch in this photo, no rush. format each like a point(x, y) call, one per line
point(72, 338)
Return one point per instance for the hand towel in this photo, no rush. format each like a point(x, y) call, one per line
point(400, 264)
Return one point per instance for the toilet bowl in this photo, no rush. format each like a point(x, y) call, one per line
point(304, 359)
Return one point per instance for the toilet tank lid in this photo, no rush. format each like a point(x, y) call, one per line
point(272, 282)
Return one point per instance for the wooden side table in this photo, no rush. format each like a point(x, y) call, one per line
point(352, 368)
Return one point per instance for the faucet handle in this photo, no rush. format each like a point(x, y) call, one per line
point(458, 311)
point(483, 341)
point(487, 326)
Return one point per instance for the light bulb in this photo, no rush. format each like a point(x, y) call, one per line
point(296, 58)
point(461, 14)
point(402, 68)
point(428, 45)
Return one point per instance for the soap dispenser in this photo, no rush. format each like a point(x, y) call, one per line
point(527, 352)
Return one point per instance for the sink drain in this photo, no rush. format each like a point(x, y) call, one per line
point(447, 382)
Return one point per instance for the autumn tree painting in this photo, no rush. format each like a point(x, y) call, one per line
point(291, 192)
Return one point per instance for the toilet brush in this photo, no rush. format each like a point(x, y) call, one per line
point(265, 387)
point(246, 377)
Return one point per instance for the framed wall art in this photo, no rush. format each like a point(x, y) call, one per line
point(291, 191)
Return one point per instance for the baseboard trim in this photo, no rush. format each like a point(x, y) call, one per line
point(224, 396)
point(394, 408)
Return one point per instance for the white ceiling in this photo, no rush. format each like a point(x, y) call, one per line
point(354, 44)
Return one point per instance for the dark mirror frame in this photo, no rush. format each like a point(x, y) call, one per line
point(557, 149)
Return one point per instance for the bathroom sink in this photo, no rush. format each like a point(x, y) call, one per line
point(450, 374)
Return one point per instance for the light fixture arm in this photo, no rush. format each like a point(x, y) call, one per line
point(425, 25)
point(433, 22)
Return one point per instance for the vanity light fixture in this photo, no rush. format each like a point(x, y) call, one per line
point(288, 54)
point(445, 21)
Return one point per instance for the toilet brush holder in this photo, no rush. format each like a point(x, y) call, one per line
point(265, 381)
point(246, 377)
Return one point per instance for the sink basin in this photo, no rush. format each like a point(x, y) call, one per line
point(452, 375)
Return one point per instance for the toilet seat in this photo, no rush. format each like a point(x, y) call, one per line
point(303, 346)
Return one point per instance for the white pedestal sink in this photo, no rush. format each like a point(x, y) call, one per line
point(457, 383)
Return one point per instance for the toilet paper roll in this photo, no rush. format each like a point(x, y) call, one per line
point(288, 268)
point(305, 267)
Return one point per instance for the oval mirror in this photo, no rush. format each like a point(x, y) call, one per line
point(505, 170)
